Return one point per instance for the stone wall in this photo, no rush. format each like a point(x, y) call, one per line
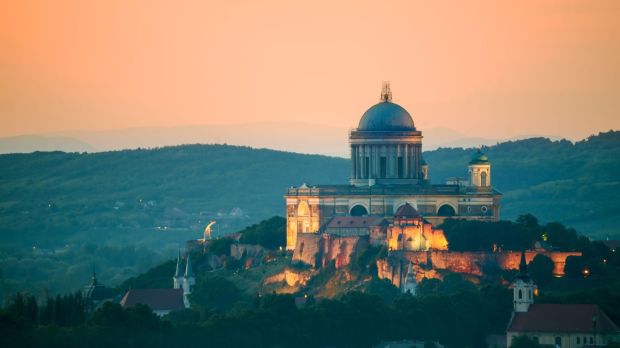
point(319, 250)
point(473, 263)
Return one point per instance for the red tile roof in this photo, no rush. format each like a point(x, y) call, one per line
point(353, 221)
point(157, 299)
point(612, 244)
point(406, 210)
point(564, 318)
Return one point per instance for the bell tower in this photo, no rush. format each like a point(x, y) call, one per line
point(523, 292)
point(480, 171)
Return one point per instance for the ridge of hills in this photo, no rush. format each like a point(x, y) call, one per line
point(127, 210)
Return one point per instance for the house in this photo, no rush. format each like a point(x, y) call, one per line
point(161, 301)
point(557, 325)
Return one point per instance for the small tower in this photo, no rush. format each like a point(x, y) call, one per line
point(480, 171)
point(523, 292)
point(177, 279)
point(188, 281)
point(424, 167)
point(410, 285)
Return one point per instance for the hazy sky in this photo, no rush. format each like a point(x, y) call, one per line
point(484, 68)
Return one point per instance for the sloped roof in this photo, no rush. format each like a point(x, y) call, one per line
point(353, 221)
point(564, 318)
point(406, 211)
point(157, 299)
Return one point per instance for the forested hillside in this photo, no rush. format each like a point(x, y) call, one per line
point(60, 213)
point(576, 184)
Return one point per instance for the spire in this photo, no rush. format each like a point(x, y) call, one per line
point(94, 279)
point(523, 267)
point(188, 267)
point(386, 93)
point(178, 270)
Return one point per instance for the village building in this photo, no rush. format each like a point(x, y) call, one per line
point(96, 294)
point(557, 325)
point(164, 301)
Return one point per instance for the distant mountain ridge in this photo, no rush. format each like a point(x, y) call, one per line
point(285, 136)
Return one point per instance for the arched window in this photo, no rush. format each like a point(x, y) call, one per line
point(483, 179)
point(520, 294)
point(303, 209)
point(446, 210)
point(359, 210)
point(558, 341)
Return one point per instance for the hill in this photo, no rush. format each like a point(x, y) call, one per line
point(127, 210)
point(574, 183)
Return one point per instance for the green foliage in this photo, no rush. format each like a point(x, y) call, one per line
point(524, 342)
point(541, 269)
point(465, 235)
point(270, 233)
point(118, 199)
point(214, 293)
point(220, 247)
point(555, 180)
point(139, 317)
point(452, 283)
point(159, 276)
point(67, 310)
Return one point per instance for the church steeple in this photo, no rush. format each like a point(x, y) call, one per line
point(188, 280)
point(189, 272)
point(523, 292)
point(523, 266)
point(176, 278)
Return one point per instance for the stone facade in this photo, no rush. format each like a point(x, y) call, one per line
point(319, 250)
point(388, 171)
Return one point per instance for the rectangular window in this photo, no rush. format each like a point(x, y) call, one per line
point(401, 168)
point(366, 167)
point(383, 167)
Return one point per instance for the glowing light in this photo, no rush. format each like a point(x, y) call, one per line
point(585, 272)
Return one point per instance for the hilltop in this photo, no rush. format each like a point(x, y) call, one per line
point(127, 210)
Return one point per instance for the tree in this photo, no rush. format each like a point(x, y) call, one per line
point(214, 293)
point(270, 234)
point(574, 266)
point(524, 342)
point(541, 269)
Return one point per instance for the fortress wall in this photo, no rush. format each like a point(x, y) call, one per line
point(318, 250)
point(474, 263)
point(340, 249)
point(307, 248)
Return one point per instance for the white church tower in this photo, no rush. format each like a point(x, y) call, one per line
point(409, 285)
point(480, 171)
point(188, 281)
point(177, 279)
point(523, 292)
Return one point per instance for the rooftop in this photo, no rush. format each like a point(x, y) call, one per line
point(350, 190)
point(157, 299)
point(563, 318)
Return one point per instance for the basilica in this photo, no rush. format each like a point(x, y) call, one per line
point(387, 173)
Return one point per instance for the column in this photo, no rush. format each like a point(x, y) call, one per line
point(406, 162)
point(352, 161)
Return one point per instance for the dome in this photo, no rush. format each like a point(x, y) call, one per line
point(479, 158)
point(406, 211)
point(386, 116)
point(96, 291)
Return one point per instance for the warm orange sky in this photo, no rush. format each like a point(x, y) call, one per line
point(484, 68)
